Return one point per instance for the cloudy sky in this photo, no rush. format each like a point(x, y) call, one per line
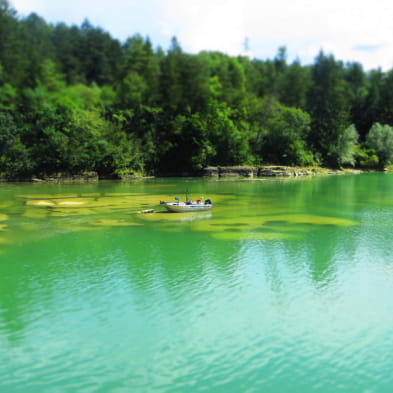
point(352, 30)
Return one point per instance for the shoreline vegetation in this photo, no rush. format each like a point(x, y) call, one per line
point(74, 100)
point(250, 172)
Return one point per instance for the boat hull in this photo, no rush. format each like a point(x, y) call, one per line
point(186, 208)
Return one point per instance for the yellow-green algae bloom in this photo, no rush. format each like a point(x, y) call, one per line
point(230, 219)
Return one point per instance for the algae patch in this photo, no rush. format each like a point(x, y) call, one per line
point(113, 223)
point(3, 217)
point(231, 218)
point(85, 211)
point(246, 227)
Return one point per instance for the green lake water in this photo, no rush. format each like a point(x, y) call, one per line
point(285, 286)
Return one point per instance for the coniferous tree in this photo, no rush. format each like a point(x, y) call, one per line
point(328, 106)
point(73, 99)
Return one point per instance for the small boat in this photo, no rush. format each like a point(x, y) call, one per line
point(199, 205)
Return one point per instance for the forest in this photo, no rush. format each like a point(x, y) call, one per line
point(73, 100)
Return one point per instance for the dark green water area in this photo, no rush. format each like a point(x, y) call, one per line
point(284, 286)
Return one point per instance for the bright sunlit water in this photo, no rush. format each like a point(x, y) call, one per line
point(285, 286)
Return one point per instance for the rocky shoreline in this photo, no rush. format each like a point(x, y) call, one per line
point(266, 171)
point(273, 171)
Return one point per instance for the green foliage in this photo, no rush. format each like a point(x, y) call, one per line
point(328, 105)
point(282, 134)
point(139, 59)
point(366, 158)
point(371, 108)
point(8, 95)
point(191, 148)
point(131, 91)
point(346, 147)
point(73, 99)
point(385, 115)
point(293, 86)
point(228, 140)
point(14, 158)
point(380, 138)
point(356, 81)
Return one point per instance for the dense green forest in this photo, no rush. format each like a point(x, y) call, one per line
point(74, 100)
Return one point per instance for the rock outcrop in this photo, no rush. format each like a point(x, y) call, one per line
point(263, 171)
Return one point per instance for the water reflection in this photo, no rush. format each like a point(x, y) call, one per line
point(201, 303)
point(161, 270)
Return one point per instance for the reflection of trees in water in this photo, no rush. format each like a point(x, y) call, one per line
point(155, 264)
point(318, 257)
point(93, 268)
point(23, 286)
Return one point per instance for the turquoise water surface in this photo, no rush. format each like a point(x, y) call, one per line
point(285, 286)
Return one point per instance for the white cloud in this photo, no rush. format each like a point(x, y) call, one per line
point(353, 30)
point(21, 5)
point(337, 26)
point(303, 26)
point(207, 24)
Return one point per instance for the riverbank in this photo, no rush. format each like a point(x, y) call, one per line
point(212, 171)
point(274, 171)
